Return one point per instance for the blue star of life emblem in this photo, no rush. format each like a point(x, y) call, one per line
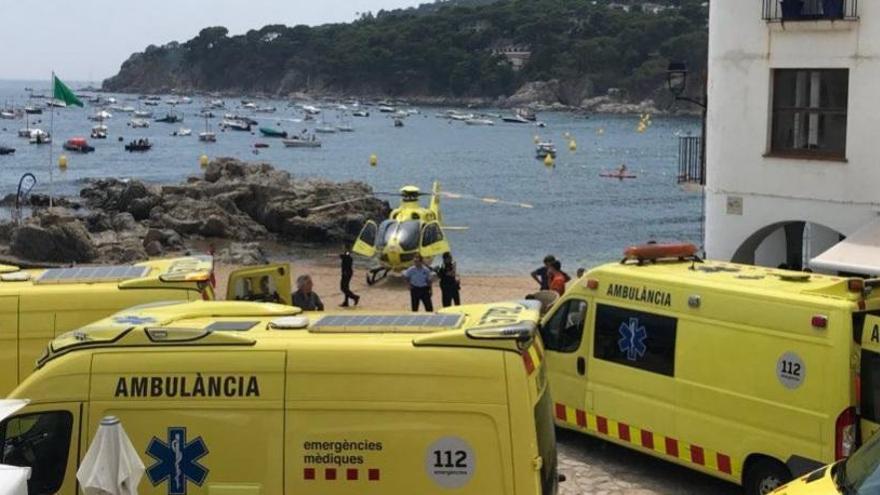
point(632, 339)
point(177, 461)
point(134, 320)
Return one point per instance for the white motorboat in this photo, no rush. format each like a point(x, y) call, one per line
point(476, 121)
point(302, 142)
point(25, 133)
point(151, 103)
point(8, 115)
point(56, 103)
point(127, 109)
point(345, 128)
point(207, 137)
point(182, 132)
point(185, 100)
point(265, 109)
point(139, 123)
point(39, 136)
point(143, 114)
point(360, 113)
point(386, 109)
point(325, 130)
point(216, 104)
point(235, 125)
point(311, 110)
point(101, 116)
point(99, 132)
point(545, 148)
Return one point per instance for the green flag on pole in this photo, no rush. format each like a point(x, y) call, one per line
point(63, 93)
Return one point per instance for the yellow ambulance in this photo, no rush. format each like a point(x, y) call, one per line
point(38, 305)
point(750, 374)
point(255, 398)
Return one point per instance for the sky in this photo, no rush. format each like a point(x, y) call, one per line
point(87, 40)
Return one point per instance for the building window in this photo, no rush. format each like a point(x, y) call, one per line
point(809, 113)
point(636, 339)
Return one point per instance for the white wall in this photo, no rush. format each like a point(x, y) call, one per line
point(743, 49)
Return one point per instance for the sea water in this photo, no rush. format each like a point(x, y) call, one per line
point(578, 216)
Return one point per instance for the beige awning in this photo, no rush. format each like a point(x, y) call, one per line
point(858, 253)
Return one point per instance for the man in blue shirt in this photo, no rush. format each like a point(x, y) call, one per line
point(418, 278)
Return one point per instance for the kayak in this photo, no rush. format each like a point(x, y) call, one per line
point(616, 175)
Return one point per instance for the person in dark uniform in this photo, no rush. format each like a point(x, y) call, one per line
point(449, 282)
point(347, 265)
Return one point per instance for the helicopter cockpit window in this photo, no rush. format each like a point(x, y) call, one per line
point(408, 235)
point(386, 231)
point(432, 234)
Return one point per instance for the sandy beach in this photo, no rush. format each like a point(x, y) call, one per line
point(390, 294)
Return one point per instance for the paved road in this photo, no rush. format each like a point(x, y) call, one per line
point(595, 467)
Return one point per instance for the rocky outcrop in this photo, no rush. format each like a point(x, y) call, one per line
point(128, 220)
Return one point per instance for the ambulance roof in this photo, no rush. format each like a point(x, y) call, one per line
point(497, 325)
point(147, 273)
point(725, 276)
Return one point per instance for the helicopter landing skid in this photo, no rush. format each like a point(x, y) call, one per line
point(376, 274)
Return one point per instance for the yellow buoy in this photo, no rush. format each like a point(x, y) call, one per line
point(572, 145)
point(600, 131)
point(374, 160)
point(203, 161)
point(549, 161)
point(62, 161)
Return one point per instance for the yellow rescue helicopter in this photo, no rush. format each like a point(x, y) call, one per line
point(410, 229)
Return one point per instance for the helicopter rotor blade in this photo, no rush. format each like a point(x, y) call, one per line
point(487, 200)
point(337, 203)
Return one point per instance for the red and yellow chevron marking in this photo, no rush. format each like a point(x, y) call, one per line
point(340, 474)
point(532, 357)
point(648, 440)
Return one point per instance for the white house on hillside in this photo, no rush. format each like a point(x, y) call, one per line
point(793, 120)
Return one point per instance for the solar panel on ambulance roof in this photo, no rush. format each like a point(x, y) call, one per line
point(387, 323)
point(91, 274)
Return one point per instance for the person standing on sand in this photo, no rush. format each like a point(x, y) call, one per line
point(418, 279)
point(347, 266)
point(540, 275)
point(556, 277)
point(450, 285)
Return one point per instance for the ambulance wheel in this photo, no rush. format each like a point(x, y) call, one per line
point(765, 475)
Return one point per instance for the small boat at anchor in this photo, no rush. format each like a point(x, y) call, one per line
point(301, 142)
point(78, 145)
point(139, 145)
point(272, 132)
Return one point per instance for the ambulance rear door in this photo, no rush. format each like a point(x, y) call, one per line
point(266, 283)
point(869, 374)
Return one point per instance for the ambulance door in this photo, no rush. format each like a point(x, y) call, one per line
point(366, 240)
point(434, 242)
point(566, 352)
point(9, 345)
point(266, 283)
point(870, 377)
point(46, 439)
point(204, 420)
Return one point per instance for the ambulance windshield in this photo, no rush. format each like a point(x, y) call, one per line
point(860, 474)
point(40, 441)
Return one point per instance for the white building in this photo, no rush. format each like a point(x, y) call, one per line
point(794, 115)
